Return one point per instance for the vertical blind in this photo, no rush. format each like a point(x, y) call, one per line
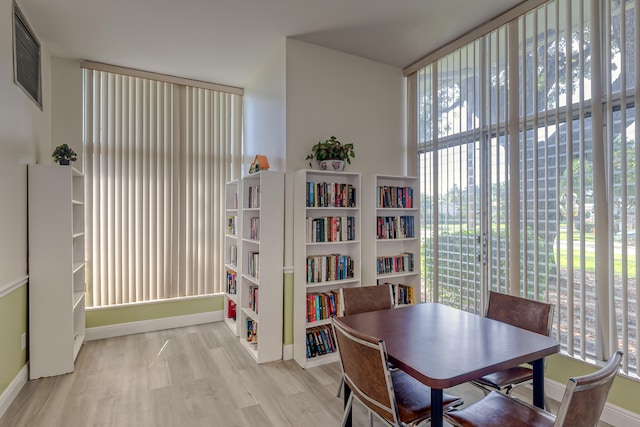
point(157, 156)
point(545, 207)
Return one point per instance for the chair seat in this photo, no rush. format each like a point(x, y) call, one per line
point(496, 409)
point(413, 401)
point(507, 377)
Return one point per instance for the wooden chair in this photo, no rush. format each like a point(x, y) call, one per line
point(582, 404)
point(364, 299)
point(394, 397)
point(534, 316)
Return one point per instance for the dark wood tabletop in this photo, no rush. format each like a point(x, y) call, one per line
point(442, 346)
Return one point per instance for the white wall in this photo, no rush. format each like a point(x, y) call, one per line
point(354, 99)
point(265, 114)
point(25, 135)
point(66, 108)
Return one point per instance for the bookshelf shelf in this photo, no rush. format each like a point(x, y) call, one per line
point(333, 284)
point(57, 269)
point(319, 323)
point(322, 360)
point(392, 219)
point(327, 245)
point(261, 271)
point(252, 348)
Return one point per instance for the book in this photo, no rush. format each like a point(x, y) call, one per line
point(231, 310)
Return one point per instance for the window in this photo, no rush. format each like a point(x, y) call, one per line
point(157, 157)
point(518, 189)
point(26, 57)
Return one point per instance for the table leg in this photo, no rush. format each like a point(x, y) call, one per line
point(347, 392)
point(538, 383)
point(436, 407)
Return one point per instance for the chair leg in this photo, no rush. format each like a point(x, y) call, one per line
point(347, 410)
point(546, 401)
point(340, 386)
point(484, 390)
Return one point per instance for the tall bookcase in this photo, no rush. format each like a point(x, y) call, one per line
point(232, 258)
point(57, 281)
point(260, 249)
point(391, 218)
point(327, 257)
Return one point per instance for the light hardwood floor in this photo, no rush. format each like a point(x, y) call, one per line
point(193, 376)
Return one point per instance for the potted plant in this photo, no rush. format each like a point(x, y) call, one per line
point(332, 154)
point(63, 154)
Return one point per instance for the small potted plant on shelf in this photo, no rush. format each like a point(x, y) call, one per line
point(63, 154)
point(332, 154)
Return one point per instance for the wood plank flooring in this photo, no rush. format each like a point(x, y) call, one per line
point(188, 377)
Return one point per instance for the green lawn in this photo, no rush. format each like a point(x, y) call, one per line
point(590, 262)
point(589, 255)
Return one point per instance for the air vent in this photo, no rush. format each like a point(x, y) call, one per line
point(26, 57)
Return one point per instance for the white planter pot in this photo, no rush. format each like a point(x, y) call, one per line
point(332, 165)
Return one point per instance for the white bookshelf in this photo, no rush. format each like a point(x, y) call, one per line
point(309, 245)
point(57, 269)
point(392, 219)
point(261, 263)
point(233, 255)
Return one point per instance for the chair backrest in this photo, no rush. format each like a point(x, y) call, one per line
point(585, 396)
point(534, 316)
point(366, 298)
point(364, 365)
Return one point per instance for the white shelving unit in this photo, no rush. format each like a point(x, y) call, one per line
point(339, 234)
point(392, 247)
point(233, 256)
point(261, 260)
point(57, 276)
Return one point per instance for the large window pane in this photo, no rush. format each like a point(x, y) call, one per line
point(538, 223)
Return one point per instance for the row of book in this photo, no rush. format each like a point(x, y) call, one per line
point(254, 228)
point(323, 305)
point(330, 195)
point(231, 225)
point(402, 294)
point(253, 298)
point(252, 331)
point(394, 197)
point(395, 227)
point(394, 264)
point(231, 282)
point(320, 340)
point(253, 196)
point(231, 310)
point(253, 264)
point(324, 268)
point(331, 229)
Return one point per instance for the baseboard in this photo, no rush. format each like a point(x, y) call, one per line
point(142, 326)
point(287, 352)
point(612, 414)
point(10, 393)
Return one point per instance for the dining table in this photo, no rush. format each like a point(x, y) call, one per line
point(442, 347)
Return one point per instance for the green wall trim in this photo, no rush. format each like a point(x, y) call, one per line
point(150, 311)
point(287, 319)
point(13, 323)
point(624, 392)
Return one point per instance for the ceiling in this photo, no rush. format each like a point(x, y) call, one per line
point(227, 41)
